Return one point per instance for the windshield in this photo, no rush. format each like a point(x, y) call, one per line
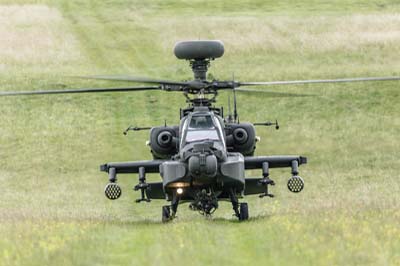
point(202, 127)
point(201, 122)
point(198, 135)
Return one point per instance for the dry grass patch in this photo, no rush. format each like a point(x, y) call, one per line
point(284, 33)
point(34, 34)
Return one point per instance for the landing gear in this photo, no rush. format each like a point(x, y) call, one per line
point(241, 210)
point(166, 214)
point(169, 211)
point(244, 212)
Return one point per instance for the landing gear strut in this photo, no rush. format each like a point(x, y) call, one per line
point(244, 212)
point(169, 211)
point(166, 214)
point(241, 209)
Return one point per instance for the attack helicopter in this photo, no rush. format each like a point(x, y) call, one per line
point(203, 160)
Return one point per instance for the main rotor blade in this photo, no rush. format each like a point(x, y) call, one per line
point(318, 81)
point(136, 79)
point(274, 94)
point(89, 90)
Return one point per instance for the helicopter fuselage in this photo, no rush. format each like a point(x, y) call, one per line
point(203, 161)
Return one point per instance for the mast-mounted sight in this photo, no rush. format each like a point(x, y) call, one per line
point(199, 53)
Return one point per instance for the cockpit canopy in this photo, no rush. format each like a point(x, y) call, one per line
point(202, 126)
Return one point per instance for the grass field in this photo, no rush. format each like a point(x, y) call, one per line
point(52, 207)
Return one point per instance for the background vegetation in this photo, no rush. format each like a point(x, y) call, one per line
point(53, 210)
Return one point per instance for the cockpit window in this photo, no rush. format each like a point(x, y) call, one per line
point(201, 122)
point(197, 135)
point(202, 127)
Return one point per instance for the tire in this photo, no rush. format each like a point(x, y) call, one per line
point(243, 212)
point(166, 214)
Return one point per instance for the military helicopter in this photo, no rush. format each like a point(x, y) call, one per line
point(203, 160)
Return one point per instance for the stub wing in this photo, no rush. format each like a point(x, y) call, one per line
point(151, 166)
point(260, 185)
point(251, 185)
point(148, 190)
point(278, 161)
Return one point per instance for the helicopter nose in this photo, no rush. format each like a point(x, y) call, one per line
point(203, 165)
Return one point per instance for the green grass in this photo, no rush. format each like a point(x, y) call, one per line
point(53, 211)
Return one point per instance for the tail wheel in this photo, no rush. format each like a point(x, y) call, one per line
point(166, 214)
point(244, 212)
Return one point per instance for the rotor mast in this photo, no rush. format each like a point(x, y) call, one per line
point(200, 67)
point(199, 54)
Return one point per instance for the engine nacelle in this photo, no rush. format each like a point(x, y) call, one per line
point(241, 138)
point(163, 142)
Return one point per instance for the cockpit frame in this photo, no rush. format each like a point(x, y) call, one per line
point(205, 123)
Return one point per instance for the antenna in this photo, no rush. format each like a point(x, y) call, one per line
point(229, 109)
point(235, 114)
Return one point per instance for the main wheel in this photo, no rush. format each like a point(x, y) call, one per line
point(166, 214)
point(243, 212)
